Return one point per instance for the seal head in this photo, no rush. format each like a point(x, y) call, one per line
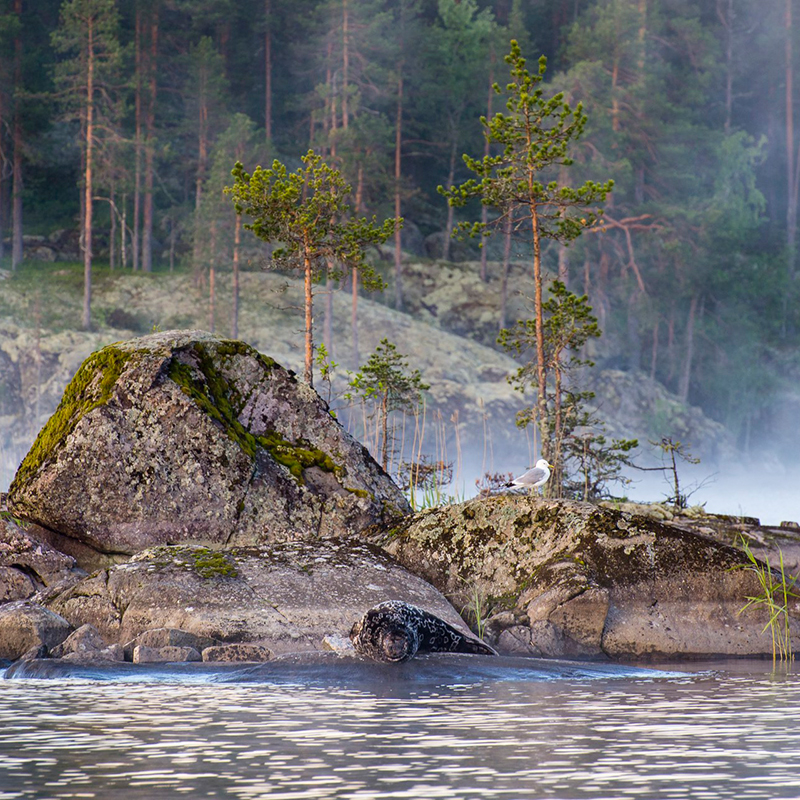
point(394, 631)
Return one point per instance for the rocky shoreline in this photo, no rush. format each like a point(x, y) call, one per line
point(191, 501)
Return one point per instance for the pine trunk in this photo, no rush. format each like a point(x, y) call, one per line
point(398, 141)
point(149, 164)
point(16, 190)
point(137, 145)
point(3, 160)
point(202, 165)
point(112, 234)
point(354, 318)
point(237, 240)
point(385, 431)
point(791, 176)
point(16, 197)
point(268, 69)
point(683, 389)
point(328, 326)
point(345, 63)
point(448, 233)
point(87, 177)
point(486, 153)
point(212, 280)
point(553, 489)
point(309, 299)
point(504, 279)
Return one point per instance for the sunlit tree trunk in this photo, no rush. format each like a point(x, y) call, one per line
point(486, 153)
point(541, 372)
point(237, 239)
point(385, 431)
point(212, 279)
point(354, 317)
point(328, 327)
point(309, 344)
point(504, 279)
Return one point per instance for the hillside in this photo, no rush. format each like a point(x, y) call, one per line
point(470, 408)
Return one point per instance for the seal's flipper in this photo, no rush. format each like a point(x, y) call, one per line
point(475, 646)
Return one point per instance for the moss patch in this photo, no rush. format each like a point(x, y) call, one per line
point(213, 564)
point(89, 389)
point(207, 563)
point(363, 493)
point(214, 394)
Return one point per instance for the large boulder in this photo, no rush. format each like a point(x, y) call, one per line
point(185, 437)
point(286, 596)
point(561, 578)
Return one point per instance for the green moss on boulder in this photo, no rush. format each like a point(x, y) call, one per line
point(219, 398)
point(89, 389)
point(183, 437)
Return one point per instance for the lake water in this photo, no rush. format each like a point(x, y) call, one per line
point(425, 730)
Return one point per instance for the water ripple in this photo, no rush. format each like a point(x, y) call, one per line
point(705, 736)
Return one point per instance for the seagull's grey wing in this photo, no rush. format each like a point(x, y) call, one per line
point(530, 477)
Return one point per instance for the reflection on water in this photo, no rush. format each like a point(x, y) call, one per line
point(706, 735)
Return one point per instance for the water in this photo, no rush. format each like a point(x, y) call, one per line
point(733, 732)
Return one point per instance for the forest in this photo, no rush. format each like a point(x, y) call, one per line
point(120, 122)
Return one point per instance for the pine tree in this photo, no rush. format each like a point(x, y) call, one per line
point(535, 136)
point(88, 33)
point(387, 379)
point(308, 212)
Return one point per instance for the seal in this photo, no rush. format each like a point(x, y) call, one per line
point(394, 631)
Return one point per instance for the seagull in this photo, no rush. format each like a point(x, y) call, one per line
point(534, 478)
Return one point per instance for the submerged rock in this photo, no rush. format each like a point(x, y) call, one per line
point(563, 578)
point(285, 597)
point(186, 437)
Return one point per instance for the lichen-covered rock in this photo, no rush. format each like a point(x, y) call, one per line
point(167, 637)
point(563, 578)
point(160, 655)
point(25, 626)
point(28, 565)
point(85, 645)
point(185, 437)
point(286, 596)
point(246, 651)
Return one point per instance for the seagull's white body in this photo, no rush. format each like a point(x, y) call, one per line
point(534, 478)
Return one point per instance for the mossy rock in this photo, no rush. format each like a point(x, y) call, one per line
point(575, 579)
point(182, 436)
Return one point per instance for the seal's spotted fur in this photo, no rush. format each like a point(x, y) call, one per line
point(397, 631)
